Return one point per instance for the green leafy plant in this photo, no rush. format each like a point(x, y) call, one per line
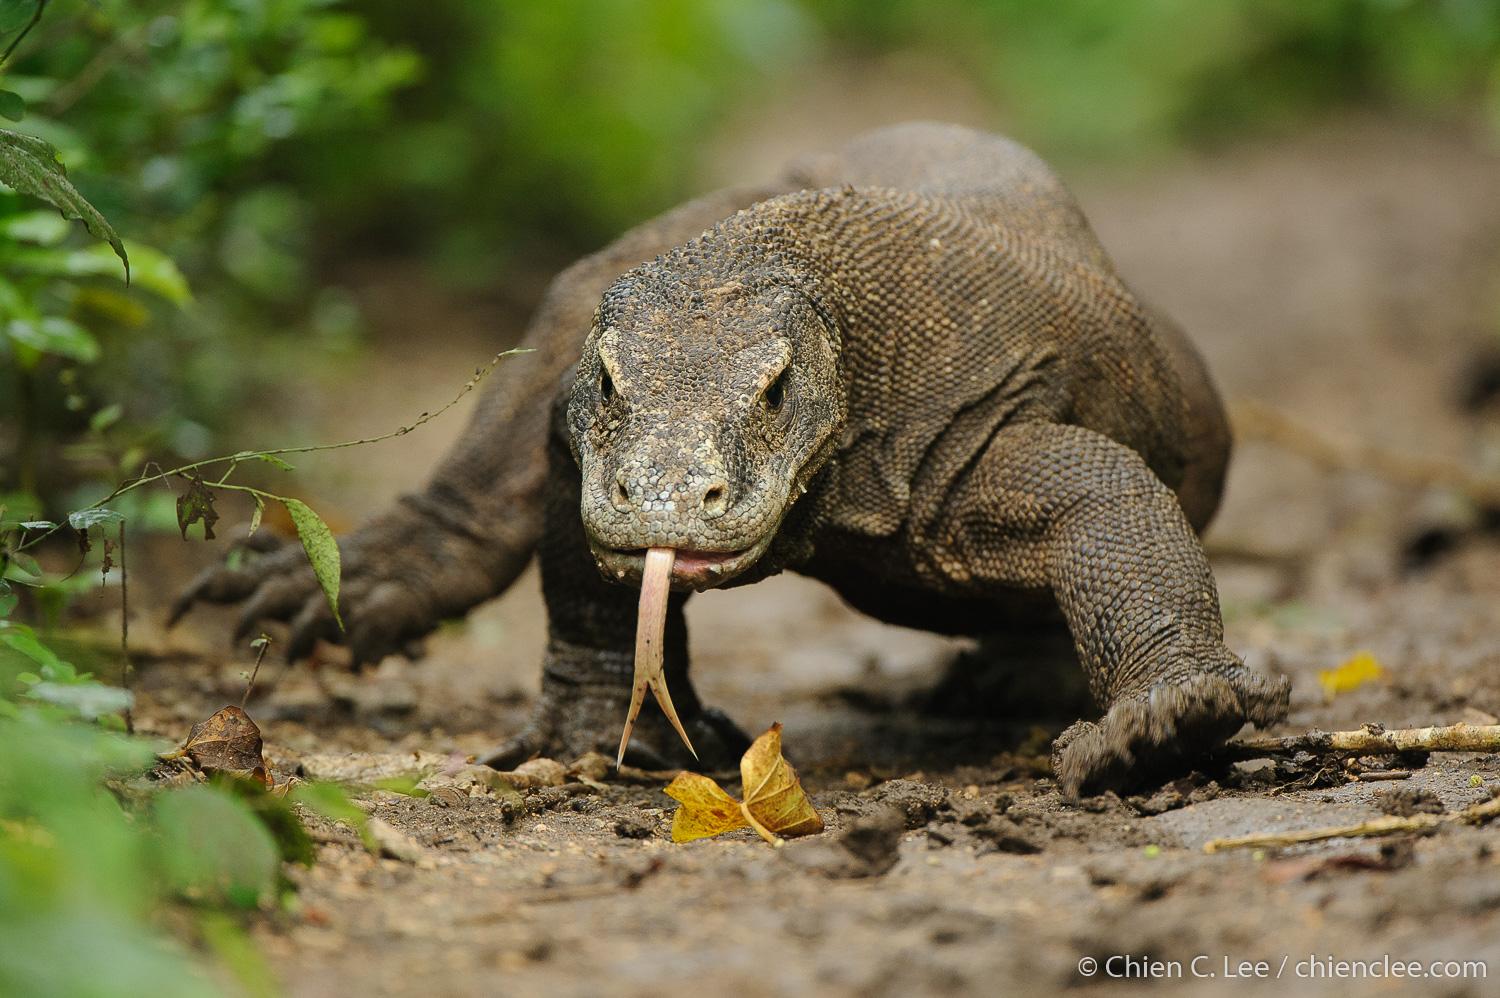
point(90, 848)
point(30, 166)
point(176, 119)
point(79, 861)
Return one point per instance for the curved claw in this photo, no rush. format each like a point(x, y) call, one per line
point(513, 751)
point(1160, 731)
point(222, 584)
point(216, 584)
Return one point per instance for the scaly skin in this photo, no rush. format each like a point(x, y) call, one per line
point(908, 370)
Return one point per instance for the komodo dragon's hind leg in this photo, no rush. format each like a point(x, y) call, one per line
point(1066, 508)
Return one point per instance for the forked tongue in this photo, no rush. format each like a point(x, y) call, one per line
point(650, 626)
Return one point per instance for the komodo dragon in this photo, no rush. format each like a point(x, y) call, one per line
point(906, 369)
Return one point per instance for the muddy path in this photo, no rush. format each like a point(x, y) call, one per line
point(1349, 275)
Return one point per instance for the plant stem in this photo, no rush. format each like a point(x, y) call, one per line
point(127, 671)
point(36, 16)
point(260, 655)
point(241, 456)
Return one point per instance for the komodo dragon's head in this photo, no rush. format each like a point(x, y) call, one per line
point(702, 407)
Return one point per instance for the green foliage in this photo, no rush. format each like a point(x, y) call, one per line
point(92, 854)
point(322, 551)
point(562, 123)
point(30, 166)
point(1085, 77)
point(330, 801)
point(211, 847)
point(263, 144)
point(76, 868)
point(175, 119)
point(556, 124)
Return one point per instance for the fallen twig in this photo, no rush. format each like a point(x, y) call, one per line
point(1376, 827)
point(260, 644)
point(1372, 740)
point(1259, 421)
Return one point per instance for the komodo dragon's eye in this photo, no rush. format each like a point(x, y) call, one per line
point(606, 385)
point(776, 391)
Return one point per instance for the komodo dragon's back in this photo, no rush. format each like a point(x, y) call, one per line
point(997, 180)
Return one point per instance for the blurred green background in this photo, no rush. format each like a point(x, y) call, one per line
point(276, 155)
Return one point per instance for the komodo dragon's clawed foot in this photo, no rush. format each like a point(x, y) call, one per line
point(1162, 730)
point(564, 727)
point(401, 576)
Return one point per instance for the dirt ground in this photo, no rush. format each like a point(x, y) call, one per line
point(1350, 276)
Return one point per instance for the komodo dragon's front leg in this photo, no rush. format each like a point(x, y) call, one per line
point(1065, 508)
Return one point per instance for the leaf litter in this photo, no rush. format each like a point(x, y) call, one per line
point(228, 742)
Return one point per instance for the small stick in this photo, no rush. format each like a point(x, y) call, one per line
point(1372, 741)
point(127, 671)
point(1476, 815)
point(261, 644)
point(1375, 776)
point(1259, 421)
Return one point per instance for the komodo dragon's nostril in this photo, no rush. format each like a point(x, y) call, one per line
point(714, 500)
point(621, 499)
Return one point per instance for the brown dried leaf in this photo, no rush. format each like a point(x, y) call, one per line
point(228, 742)
point(197, 503)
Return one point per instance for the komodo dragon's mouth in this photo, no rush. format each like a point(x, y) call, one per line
point(690, 569)
point(695, 570)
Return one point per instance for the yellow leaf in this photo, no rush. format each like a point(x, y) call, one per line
point(774, 803)
point(1359, 670)
point(706, 809)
